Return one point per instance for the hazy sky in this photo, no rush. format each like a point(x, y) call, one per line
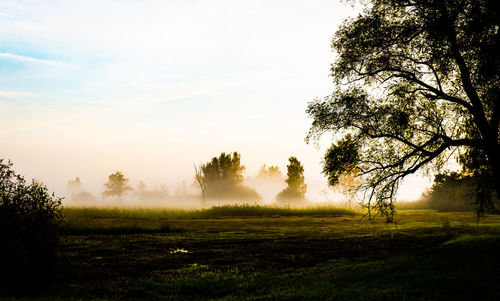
point(149, 87)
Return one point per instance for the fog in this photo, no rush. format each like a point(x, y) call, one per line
point(186, 194)
point(169, 180)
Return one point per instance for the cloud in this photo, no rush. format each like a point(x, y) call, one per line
point(16, 95)
point(29, 59)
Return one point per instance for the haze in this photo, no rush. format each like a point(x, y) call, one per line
point(151, 87)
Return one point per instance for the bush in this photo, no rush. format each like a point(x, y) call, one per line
point(29, 225)
point(290, 197)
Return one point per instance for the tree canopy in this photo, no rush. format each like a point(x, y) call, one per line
point(418, 83)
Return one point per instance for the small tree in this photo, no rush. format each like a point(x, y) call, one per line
point(117, 185)
point(296, 189)
point(29, 229)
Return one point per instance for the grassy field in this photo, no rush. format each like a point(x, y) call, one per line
point(263, 253)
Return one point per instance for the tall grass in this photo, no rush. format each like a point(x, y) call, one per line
point(153, 220)
point(213, 212)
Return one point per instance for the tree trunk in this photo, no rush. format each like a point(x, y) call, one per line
point(494, 160)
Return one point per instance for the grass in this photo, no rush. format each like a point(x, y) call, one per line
point(268, 253)
point(213, 212)
point(147, 220)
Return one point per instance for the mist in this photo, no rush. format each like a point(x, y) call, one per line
point(185, 193)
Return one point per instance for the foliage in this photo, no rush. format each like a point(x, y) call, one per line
point(296, 189)
point(457, 192)
point(29, 227)
point(341, 159)
point(432, 72)
point(222, 178)
point(269, 173)
point(117, 185)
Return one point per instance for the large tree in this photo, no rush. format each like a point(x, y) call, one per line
point(418, 82)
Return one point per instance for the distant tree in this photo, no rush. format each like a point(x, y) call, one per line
point(223, 171)
point(30, 220)
point(200, 179)
point(74, 186)
point(417, 81)
point(159, 193)
point(181, 190)
point(78, 195)
point(296, 189)
point(141, 186)
point(222, 178)
point(271, 173)
point(162, 188)
point(117, 185)
point(457, 192)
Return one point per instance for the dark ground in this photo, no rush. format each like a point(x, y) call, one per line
point(425, 256)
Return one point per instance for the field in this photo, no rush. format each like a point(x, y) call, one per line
point(261, 253)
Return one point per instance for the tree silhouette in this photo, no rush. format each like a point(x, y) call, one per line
point(296, 189)
point(200, 179)
point(418, 82)
point(117, 185)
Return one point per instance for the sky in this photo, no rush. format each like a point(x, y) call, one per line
point(151, 87)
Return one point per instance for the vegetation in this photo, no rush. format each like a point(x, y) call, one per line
point(432, 70)
point(296, 190)
point(78, 195)
point(159, 193)
point(29, 230)
point(453, 192)
point(74, 214)
point(117, 185)
point(222, 179)
point(339, 256)
point(269, 174)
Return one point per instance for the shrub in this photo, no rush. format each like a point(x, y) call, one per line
point(29, 224)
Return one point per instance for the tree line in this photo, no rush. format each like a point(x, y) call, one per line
point(220, 179)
